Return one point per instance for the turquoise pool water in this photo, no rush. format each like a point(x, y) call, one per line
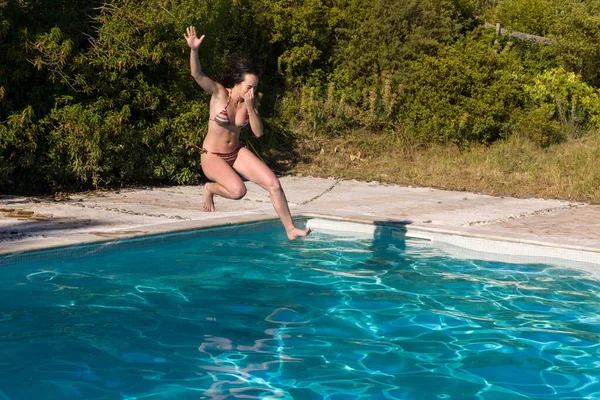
point(244, 313)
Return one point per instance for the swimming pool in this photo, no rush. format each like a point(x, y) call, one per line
point(241, 312)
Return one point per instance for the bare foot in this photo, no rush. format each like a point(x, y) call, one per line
point(296, 233)
point(207, 199)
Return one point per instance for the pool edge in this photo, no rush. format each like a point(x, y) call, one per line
point(133, 232)
point(469, 240)
point(484, 246)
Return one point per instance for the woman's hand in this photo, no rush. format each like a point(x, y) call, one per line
point(249, 100)
point(192, 40)
point(253, 117)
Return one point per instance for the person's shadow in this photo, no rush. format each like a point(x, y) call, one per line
point(389, 240)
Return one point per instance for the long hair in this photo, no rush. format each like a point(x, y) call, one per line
point(237, 66)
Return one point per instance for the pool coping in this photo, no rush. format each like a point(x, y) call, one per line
point(33, 223)
point(458, 242)
point(454, 232)
point(103, 236)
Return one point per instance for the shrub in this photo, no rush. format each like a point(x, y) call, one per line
point(466, 94)
point(564, 97)
point(540, 127)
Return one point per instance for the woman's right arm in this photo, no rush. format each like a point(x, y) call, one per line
point(203, 80)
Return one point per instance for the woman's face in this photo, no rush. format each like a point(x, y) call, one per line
point(249, 83)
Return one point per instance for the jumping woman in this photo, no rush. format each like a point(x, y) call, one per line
point(223, 155)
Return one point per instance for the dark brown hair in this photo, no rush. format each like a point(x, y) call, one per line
point(237, 66)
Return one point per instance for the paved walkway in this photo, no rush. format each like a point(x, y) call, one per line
point(28, 223)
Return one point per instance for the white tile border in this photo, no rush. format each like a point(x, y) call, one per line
point(468, 246)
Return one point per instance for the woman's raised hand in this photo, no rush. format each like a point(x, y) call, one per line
point(192, 40)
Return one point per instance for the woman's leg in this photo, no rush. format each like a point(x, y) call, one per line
point(253, 169)
point(226, 182)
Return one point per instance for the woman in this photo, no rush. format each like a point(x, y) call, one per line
point(222, 153)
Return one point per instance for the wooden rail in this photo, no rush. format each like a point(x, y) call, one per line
point(520, 35)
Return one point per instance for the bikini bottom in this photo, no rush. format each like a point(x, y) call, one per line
point(228, 157)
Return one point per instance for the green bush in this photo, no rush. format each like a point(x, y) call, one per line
point(540, 127)
point(563, 98)
point(112, 101)
point(535, 17)
point(578, 34)
point(380, 39)
point(375, 44)
point(99, 93)
point(21, 146)
point(466, 94)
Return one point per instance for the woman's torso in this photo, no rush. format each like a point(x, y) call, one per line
point(226, 121)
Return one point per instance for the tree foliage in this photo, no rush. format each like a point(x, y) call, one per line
point(535, 17)
point(99, 93)
point(467, 93)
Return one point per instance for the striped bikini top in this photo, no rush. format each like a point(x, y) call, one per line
point(222, 118)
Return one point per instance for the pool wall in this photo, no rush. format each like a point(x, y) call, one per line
point(474, 247)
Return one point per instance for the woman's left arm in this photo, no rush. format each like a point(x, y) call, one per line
point(253, 116)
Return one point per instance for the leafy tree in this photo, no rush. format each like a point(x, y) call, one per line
point(26, 92)
point(563, 103)
point(465, 94)
point(99, 93)
point(300, 33)
point(578, 34)
point(535, 17)
point(384, 36)
point(119, 105)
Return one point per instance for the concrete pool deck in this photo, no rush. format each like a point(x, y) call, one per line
point(31, 223)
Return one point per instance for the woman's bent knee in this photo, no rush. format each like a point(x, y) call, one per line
point(238, 192)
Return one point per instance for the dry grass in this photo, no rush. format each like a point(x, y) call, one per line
point(569, 171)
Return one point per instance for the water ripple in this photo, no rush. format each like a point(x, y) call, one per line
point(219, 317)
